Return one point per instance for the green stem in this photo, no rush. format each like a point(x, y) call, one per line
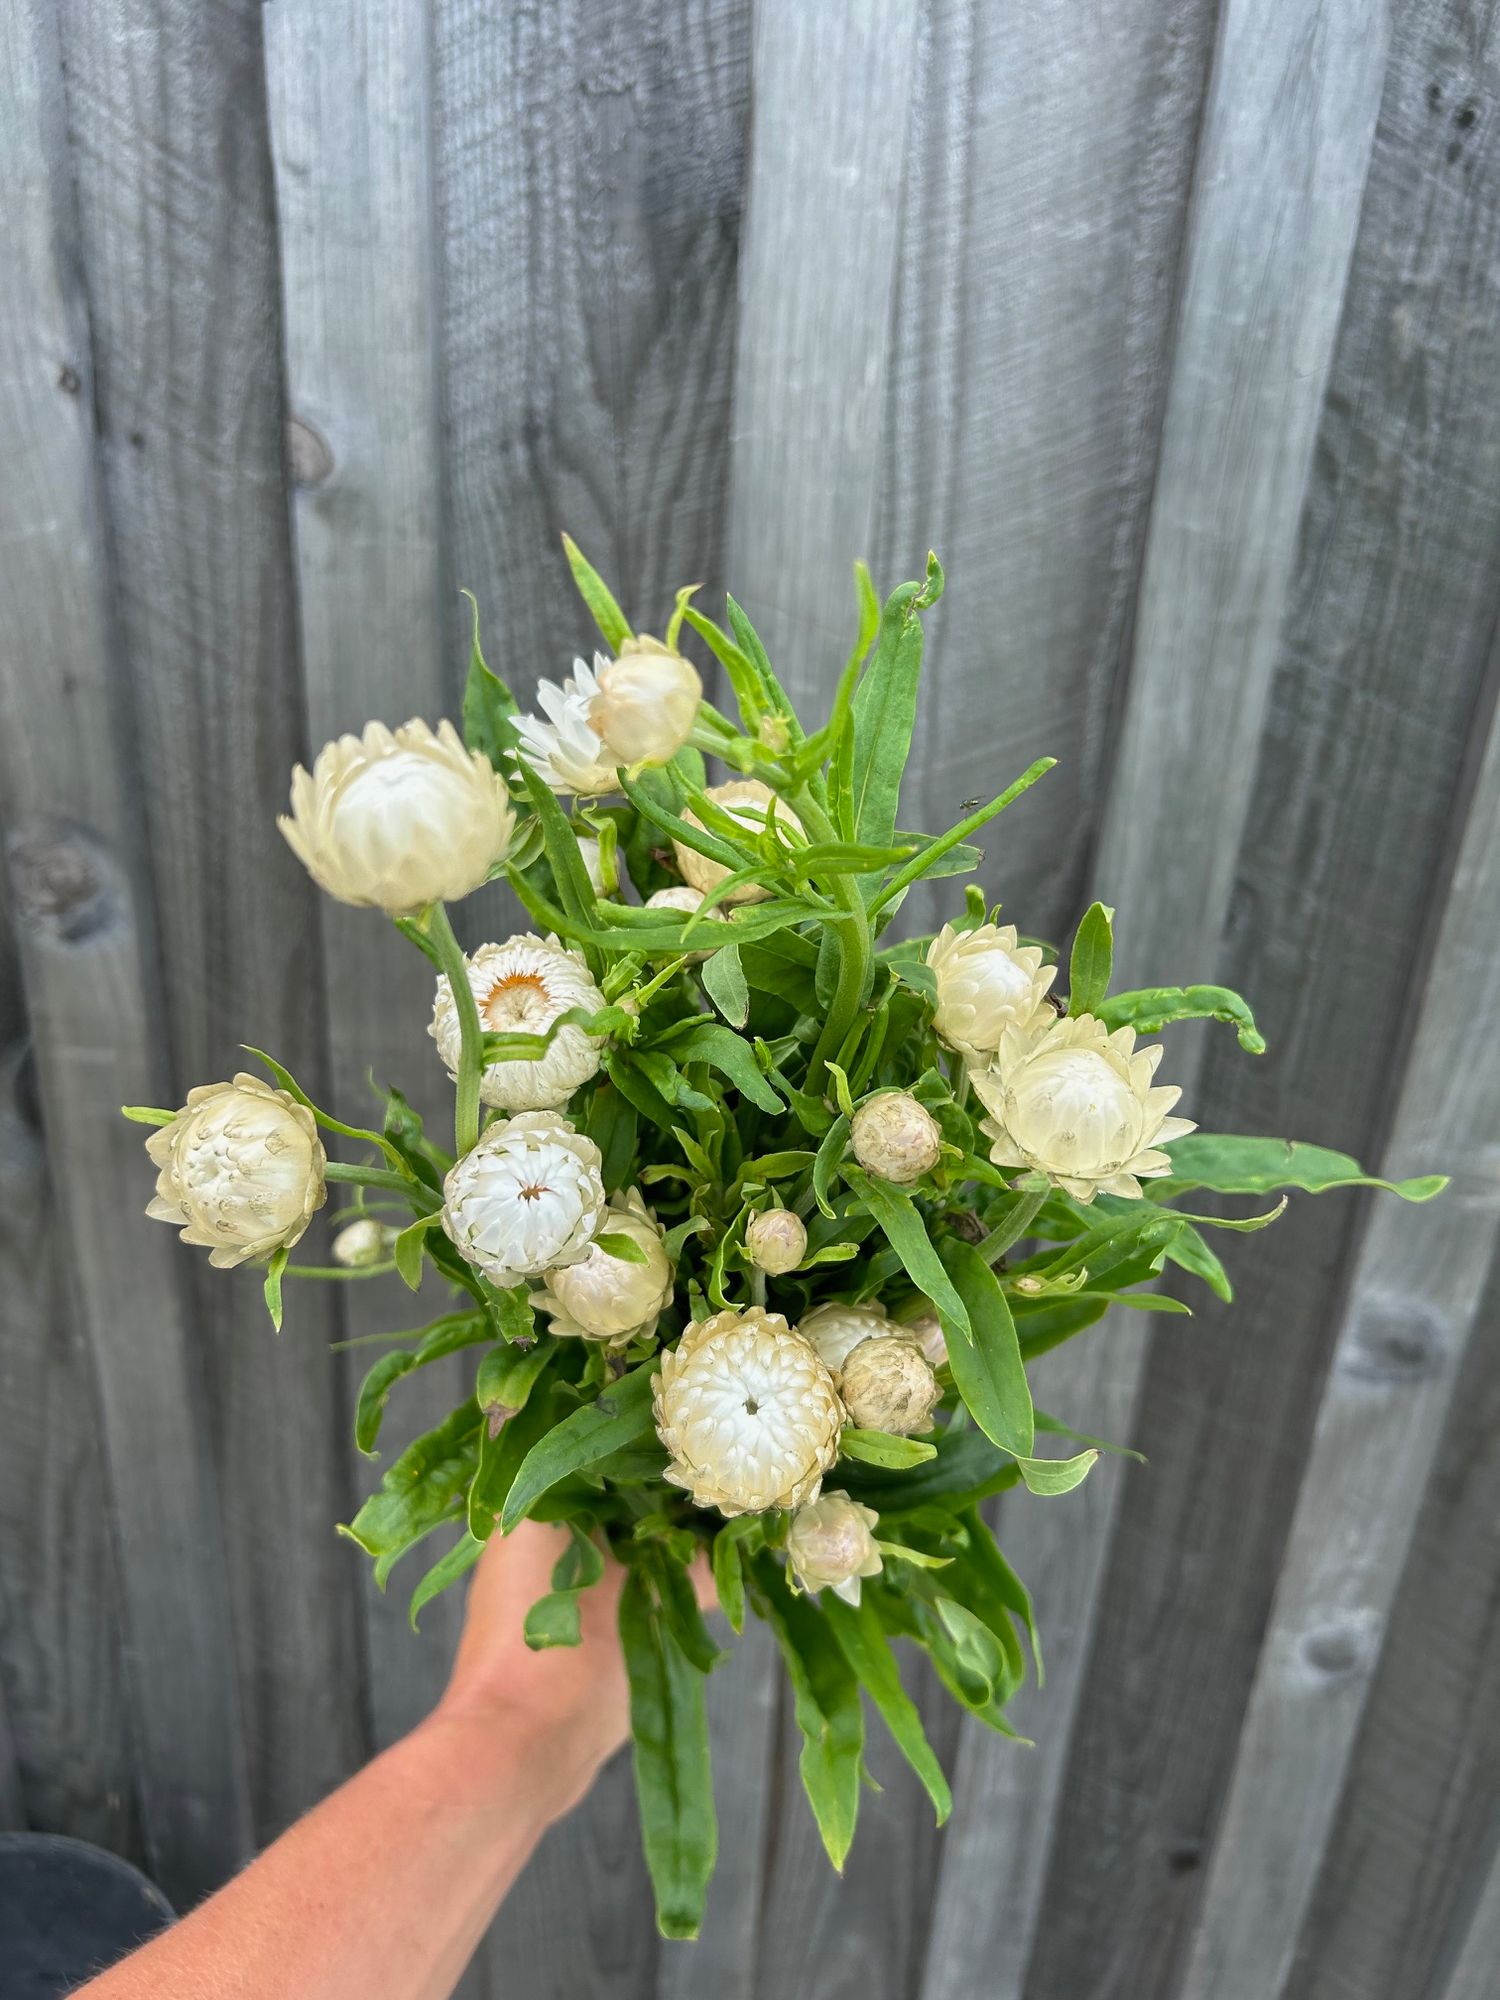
point(381, 1177)
point(471, 1053)
point(854, 959)
point(337, 1272)
point(1014, 1227)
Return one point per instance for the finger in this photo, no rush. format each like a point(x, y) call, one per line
point(704, 1588)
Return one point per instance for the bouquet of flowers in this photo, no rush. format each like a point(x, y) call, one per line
point(752, 1219)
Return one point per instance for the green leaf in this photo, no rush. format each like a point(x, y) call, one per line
point(1092, 960)
point(775, 694)
point(554, 1620)
point(1190, 1252)
point(885, 707)
point(1049, 1476)
point(606, 614)
point(825, 1699)
point(489, 708)
point(985, 1355)
point(744, 678)
point(722, 1049)
point(830, 1153)
point(564, 858)
point(146, 1114)
point(679, 1603)
point(1156, 1007)
point(448, 1569)
point(673, 1780)
point(906, 1233)
point(884, 1447)
point(620, 1415)
point(504, 1445)
point(967, 1467)
point(274, 1270)
point(866, 1648)
point(422, 1489)
point(723, 979)
point(1231, 1165)
point(624, 1249)
point(445, 1336)
point(508, 1374)
point(729, 1564)
point(1004, 1584)
point(408, 1249)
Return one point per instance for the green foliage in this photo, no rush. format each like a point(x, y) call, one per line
point(736, 1043)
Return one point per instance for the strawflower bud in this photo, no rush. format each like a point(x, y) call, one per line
point(988, 982)
point(748, 1413)
point(754, 806)
point(603, 1297)
point(887, 1385)
point(1079, 1106)
point(776, 1241)
point(681, 897)
point(835, 1328)
point(927, 1331)
point(895, 1137)
point(395, 820)
point(527, 1199)
point(647, 703)
point(831, 1545)
point(241, 1170)
point(363, 1242)
point(521, 987)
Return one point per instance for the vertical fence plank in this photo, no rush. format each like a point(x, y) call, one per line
point(1386, 623)
point(84, 932)
point(589, 168)
point(1473, 1977)
point(167, 112)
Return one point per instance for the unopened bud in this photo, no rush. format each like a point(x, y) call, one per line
point(776, 1241)
point(895, 1137)
point(647, 703)
point(887, 1385)
point(831, 1545)
point(927, 1332)
point(362, 1243)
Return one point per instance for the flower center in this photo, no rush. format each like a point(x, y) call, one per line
point(513, 1000)
point(533, 1190)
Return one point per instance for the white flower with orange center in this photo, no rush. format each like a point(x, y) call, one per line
point(748, 1413)
point(564, 751)
point(1079, 1106)
point(241, 1170)
point(751, 805)
point(831, 1544)
point(520, 988)
point(527, 1198)
point(987, 981)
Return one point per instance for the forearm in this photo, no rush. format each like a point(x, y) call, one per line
point(385, 1888)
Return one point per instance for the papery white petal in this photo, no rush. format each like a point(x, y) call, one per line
point(520, 987)
point(241, 1170)
point(526, 1199)
point(988, 982)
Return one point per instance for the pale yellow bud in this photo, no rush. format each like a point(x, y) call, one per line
point(607, 1298)
point(776, 1241)
point(927, 1331)
point(895, 1137)
point(647, 703)
point(755, 806)
point(362, 1243)
point(831, 1545)
point(887, 1385)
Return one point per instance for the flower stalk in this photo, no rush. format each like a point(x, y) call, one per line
point(439, 929)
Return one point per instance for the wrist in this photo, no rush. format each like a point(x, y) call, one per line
point(505, 1752)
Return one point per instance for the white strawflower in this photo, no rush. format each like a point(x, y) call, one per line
point(526, 1199)
point(604, 1298)
point(363, 1242)
point(241, 1170)
point(887, 1385)
point(1079, 1106)
point(564, 751)
point(927, 1331)
point(986, 983)
point(835, 1328)
point(521, 987)
point(776, 1241)
point(754, 806)
point(895, 1137)
point(830, 1545)
point(748, 1413)
point(647, 703)
point(397, 819)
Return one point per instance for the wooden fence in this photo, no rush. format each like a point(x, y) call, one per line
point(1175, 327)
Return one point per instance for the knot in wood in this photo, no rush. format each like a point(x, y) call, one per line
point(308, 452)
point(61, 879)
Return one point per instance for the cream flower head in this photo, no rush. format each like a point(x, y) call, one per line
point(564, 751)
point(830, 1545)
point(754, 806)
point(748, 1413)
point(647, 703)
point(526, 1199)
point(604, 1298)
point(834, 1328)
point(521, 987)
point(887, 1385)
point(1079, 1106)
point(241, 1170)
point(986, 983)
point(895, 1137)
point(776, 1241)
point(397, 819)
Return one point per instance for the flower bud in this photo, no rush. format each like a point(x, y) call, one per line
point(987, 982)
point(895, 1137)
point(606, 1298)
point(397, 820)
point(241, 1170)
point(647, 703)
point(927, 1331)
point(776, 1241)
point(887, 1385)
point(526, 1199)
point(754, 806)
point(362, 1243)
point(831, 1545)
point(835, 1328)
point(681, 897)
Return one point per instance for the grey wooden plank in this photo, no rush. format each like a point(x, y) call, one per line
point(1387, 621)
point(1474, 1975)
point(84, 930)
point(1264, 275)
point(12, 1804)
point(1412, 1309)
point(167, 115)
point(589, 167)
point(1047, 174)
point(823, 204)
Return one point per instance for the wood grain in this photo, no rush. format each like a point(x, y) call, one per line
point(1385, 630)
point(180, 252)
